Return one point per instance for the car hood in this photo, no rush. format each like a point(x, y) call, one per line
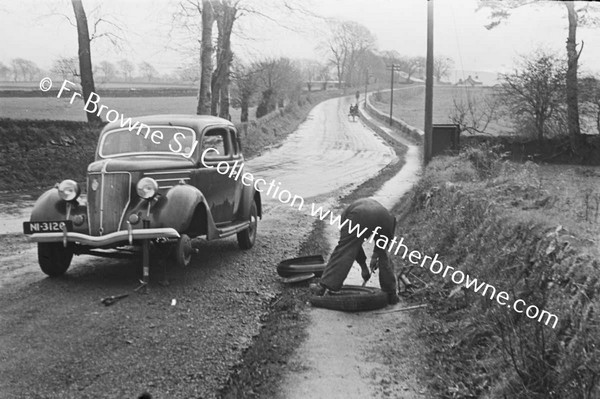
point(139, 163)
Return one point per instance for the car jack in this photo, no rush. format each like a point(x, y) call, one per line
point(143, 288)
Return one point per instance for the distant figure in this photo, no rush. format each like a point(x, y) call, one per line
point(353, 111)
point(357, 95)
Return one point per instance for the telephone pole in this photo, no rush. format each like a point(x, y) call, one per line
point(366, 84)
point(427, 148)
point(393, 68)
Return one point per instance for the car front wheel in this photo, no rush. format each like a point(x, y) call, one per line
point(247, 237)
point(54, 258)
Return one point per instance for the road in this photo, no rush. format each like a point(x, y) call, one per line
point(367, 354)
point(57, 340)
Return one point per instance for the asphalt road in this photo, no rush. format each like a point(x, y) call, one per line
point(181, 339)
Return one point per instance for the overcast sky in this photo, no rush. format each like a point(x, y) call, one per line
point(34, 30)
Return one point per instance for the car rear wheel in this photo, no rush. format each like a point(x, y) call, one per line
point(247, 237)
point(54, 258)
point(183, 251)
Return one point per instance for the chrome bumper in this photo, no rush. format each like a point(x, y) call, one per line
point(108, 239)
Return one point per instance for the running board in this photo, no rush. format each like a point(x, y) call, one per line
point(231, 230)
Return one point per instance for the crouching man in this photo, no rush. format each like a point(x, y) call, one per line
point(369, 216)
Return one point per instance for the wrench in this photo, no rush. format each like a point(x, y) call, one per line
point(109, 300)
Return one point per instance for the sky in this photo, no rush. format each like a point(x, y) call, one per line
point(37, 31)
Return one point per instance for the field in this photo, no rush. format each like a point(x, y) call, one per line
point(34, 85)
point(59, 108)
point(409, 105)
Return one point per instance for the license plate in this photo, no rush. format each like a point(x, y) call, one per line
point(47, 227)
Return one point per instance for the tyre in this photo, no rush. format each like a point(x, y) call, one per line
point(247, 237)
point(313, 264)
point(54, 258)
point(183, 251)
point(352, 298)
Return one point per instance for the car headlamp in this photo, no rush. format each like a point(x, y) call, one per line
point(147, 188)
point(68, 190)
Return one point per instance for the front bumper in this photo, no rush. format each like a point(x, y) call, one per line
point(105, 240)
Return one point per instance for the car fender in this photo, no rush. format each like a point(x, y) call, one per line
point(49, 206)
point(176, 209)
point(249, 193)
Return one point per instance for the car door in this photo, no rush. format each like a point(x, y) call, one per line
point(216, 167)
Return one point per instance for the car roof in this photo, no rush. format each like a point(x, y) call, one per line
point(190, 120)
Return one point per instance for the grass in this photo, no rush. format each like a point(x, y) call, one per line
point(409, 105)
point(53, 108)
point(522, 229)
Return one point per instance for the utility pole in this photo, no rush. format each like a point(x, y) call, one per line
point(428, 87)
point(366, 84)
point(392, 95)
point(393, 68)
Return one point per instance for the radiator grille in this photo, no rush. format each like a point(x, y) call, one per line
point(108, 199)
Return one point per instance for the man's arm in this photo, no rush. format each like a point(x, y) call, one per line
point(361, 258)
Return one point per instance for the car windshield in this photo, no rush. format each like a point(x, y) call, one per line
point(148, 140)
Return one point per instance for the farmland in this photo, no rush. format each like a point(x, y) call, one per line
point(59, 108)
point(408, 105)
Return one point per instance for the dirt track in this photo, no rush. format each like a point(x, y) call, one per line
point(57, 340)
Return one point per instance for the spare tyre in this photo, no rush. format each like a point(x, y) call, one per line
point(352, 298)
point(314, 264)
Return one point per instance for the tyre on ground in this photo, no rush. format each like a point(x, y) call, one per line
point(352, 298)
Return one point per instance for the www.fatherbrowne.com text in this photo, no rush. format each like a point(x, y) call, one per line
point(398, 247)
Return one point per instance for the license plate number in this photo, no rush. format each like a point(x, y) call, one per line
point(47, 227)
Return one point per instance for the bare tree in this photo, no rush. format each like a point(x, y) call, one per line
point(246, 81)
point(411, 66)
point(4, 71)
point(213, 94)
point(475, 111)
point(226, 13)
point(347, 42)
point(590, 99)
point(278, 80)
point(25, 68)
point(107, 70)
point(65, 67)
point(147, 70)
point(85, 56)
point(585, 15)
point(310, 70)
point(188, 73)
point(126, 68)
point(206, 53)
point(441, 67)
point(536, 91)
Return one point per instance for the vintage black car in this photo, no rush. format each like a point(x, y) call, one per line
point(155, 180)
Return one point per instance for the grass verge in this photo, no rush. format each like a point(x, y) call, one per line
point(495, 221)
